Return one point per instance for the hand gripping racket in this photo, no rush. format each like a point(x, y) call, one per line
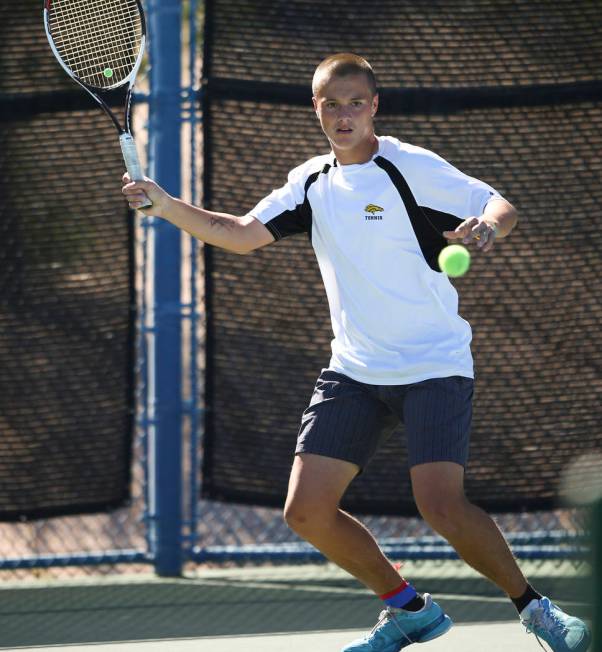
point(100, 44)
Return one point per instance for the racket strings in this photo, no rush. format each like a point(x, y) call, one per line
point(109, 31)
point(102, 44)
point(99, 40)
point(90, 66)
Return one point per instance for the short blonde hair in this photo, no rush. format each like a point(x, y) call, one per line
point(341, 65)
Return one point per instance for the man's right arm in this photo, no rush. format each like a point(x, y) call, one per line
point(240, 235)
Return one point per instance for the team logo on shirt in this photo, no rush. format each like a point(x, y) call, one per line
point(373, 209)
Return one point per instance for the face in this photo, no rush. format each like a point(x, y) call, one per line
point(346, 108)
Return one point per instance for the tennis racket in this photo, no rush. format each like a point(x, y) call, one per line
point(100, 44)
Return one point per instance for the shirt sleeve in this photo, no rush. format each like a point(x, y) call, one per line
point(286, 210)
point(441, 187)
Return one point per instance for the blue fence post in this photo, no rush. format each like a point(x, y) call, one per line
point(165, 19)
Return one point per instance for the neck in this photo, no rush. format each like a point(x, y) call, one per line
point(360, 154)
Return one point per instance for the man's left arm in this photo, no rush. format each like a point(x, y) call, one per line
point(497, 221)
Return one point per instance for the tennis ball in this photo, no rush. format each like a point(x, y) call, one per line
point(454, 260)
point(108, 73)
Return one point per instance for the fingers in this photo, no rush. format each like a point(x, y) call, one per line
point(135, 192)
point(463, 231)
point(474, 230)
point(486, 238)
point(140, 202)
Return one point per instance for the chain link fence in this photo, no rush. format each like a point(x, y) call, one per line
point(215, 533)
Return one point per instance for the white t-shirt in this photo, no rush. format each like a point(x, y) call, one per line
point(376, 230)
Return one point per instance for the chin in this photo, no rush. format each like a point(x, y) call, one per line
point(344, 143)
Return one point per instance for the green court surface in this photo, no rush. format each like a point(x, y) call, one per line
point(285, 609)
point(497, 637)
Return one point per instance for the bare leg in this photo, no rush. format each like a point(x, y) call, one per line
point(439, 493)
point(316, 487)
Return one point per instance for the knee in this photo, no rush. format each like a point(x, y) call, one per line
point(295, 516)
point(306, 518)
point(444, 513)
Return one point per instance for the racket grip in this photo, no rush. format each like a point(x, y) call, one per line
point(132, 162)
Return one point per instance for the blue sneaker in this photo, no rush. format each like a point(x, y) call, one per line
point(561, 632)
point(397, 628)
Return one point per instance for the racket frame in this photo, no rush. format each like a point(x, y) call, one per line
point(126, 140)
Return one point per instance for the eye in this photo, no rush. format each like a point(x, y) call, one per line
point(330, 105)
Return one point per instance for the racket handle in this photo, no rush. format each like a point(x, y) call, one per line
point(132, 162)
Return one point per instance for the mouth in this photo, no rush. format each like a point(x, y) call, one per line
point(344, 130)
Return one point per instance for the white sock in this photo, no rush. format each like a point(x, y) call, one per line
point(526, 612)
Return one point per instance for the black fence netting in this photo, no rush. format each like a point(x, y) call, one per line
point(510, 92)
point(66, 288)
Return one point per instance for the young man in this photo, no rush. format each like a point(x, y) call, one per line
point(379, 211)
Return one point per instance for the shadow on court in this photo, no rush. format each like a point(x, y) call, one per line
point(238, 603)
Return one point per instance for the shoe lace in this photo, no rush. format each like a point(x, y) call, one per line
point(389, 614)
point(544, 618)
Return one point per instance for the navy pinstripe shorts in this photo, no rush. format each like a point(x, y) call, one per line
point(349, 420)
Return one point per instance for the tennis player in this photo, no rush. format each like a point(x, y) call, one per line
point(378, 212)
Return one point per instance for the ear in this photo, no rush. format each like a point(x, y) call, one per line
point(374, 105)
point(315, 103)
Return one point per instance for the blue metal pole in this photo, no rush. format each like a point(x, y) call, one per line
point(194, 315)
point(165, 19)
